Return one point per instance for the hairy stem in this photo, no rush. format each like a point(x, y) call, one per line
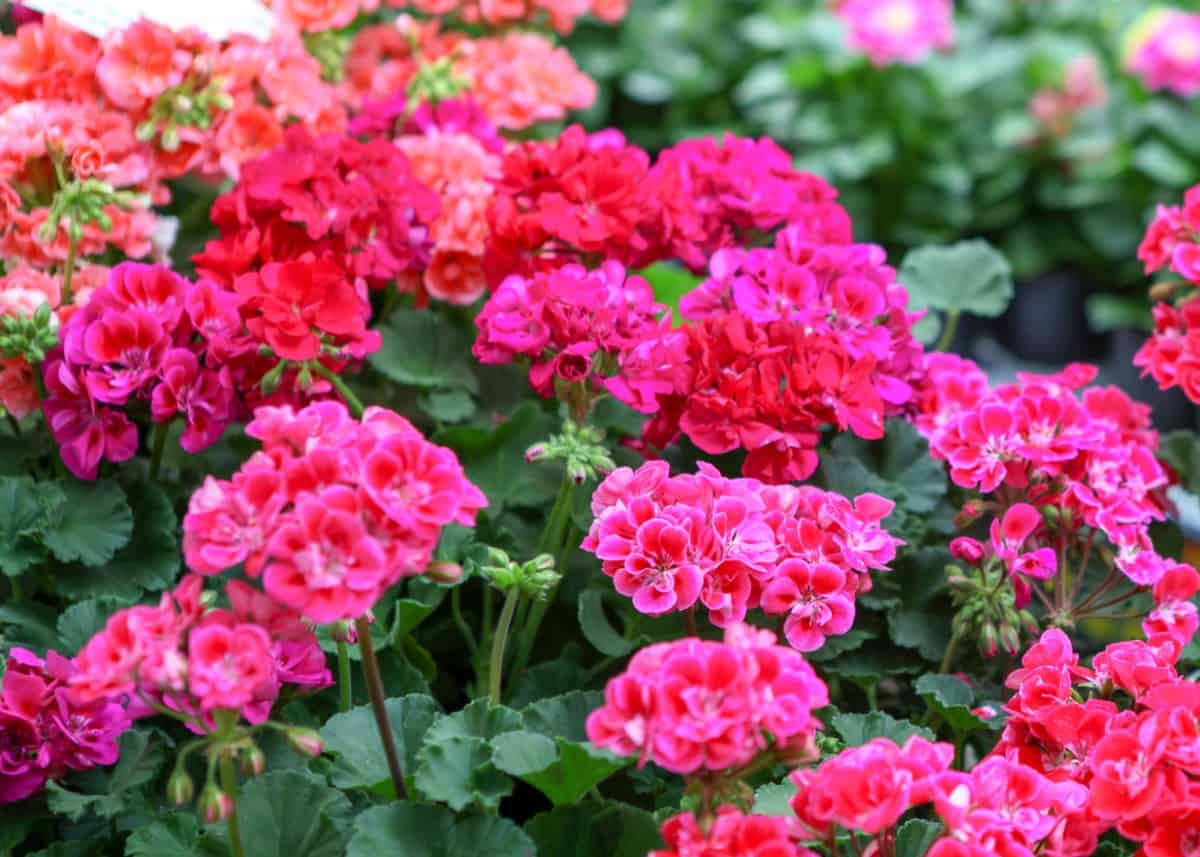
point(352, 401)
point(345, 679)
point(947, 337)
point(496, 667)
point(161, 430)
point(370, 667)
point(229, 786)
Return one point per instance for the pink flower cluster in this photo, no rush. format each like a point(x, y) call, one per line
point(518, 78)
point(1091, 456)
point(786, 341)
point(1083, 88)
point(731, 545)
point(1013, 544)
point(357, 206)
point(574, 325)
point(332, 511)
point(45, 731)
point(195, 661)
point(1163, 50)
point(1135, 765)
point(868, 788)
point(561, 14)
point(732, 834)
point(191, 351)
point(693, 705)
point(1172, 354)
point(898, 31)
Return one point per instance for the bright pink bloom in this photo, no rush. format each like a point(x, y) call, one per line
point(732, 835)
point(892, 31)
point(1165, 51)
point(230, 665)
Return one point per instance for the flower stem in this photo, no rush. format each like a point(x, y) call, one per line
point(461, 623)
point(496, 668)
point(69, 269)
point(370, 667)
point(951, 650)
point(345, 680)
point(352, 401)
point(229, 786)
point(161, 430)
point(689, 619)
point(947, 337)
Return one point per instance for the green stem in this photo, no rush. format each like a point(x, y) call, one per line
point(496, 668)
point(161, 430)
point(560, 513)
point(460, 622)
point(370, 667)
point(14, 584)
point(352, 401)
point(389, 304)
point(345, 680)
point(69, 269)
point(13, 424)
point(229, 786)
point(952, 319)
point(951, 650)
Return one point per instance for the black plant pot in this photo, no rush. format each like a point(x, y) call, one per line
point(1171, 408)
point(1046, 322)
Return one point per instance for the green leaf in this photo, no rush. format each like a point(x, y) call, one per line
point(291, 814)
point(563, 716)
point(480, 719)
point(174, 836)
point(27, 510)
point(353, 740)
point(148, 563)
point(14, 828)
point(406, 829)
point(594, 829)
point(858, 729)
point(30, 625)
point(423, 349)
point(494, 459)
point(459, 772)
point(970, 276)
point(78, 624)
point(95, 523)
point(1163, 164)
point(916, 836)
point(775, 798)
point(1181, 450)
point(598, 629)
point(951, 698)
point(670, 282)
point(140, 761)
point(424, 597)
point(835, 646)
point(927, 632)
point(447, 406)
point(562, 770)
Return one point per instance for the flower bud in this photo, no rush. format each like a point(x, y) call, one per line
point(180, 788)
point(535, 452)
point(988, 640)
point(215, 805)
point(253, 761)
point(444, 572)
point(305, 741)
point(1010, 639)
point(170, 139)
point(1029, 623)
point(343, 631)
point(970, 511)
point(967, 550)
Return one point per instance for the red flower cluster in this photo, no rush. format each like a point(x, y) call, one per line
point(1092, 457)
point(693, 705)
point(356, 205)
point(332, 511)
point(736, 544)
point(45, 731)
point(196, 662)
point(574, 325)
point(786, 342)
point(732, 835)
point(1136, 764)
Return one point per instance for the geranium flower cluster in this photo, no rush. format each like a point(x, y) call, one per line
point(574, 325)
point(1172, 354)
point(180, 102)
point(1056, 107)
point(1090, 457)
point(731, 834)
point(355, 206)
point(1135, 762)
point(672, 542)
point(786, 341)
point(897, 31)
point(518, 78)
point(1163, 49)
point(192, 351)
point(560, 14)
point(693, 706)
point(332, 511)
point(45, 730)
point(195, 661)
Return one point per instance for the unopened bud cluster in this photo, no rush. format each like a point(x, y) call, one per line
point(534, 578)
point(188, 105)
point(987, 609)
point(580, 447)
point(28, 336)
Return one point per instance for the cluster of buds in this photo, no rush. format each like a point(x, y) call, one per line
point(192, 104)
point(533, 578)
point(28, 336)
point(330, 48)
point(81, 201)
point(985, 603)
point(435, 81)
point(230, 745)
point(581, 447)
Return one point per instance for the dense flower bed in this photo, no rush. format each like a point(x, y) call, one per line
point(542, 494)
